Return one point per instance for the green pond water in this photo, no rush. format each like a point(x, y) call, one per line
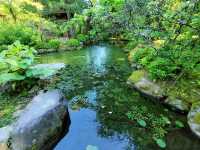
point(94, 83)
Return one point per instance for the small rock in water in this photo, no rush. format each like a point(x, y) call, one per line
point(178, 104)
point(194, 119)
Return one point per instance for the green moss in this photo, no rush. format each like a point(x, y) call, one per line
point(136, 76)
point(197, 118)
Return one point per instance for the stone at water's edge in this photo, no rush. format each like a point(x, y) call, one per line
point(42, 123)
point(149, 89)
point(56, 66)
point(141, 83)
point(45, 71)
point(194, 119)
point(139, 80)
point(177, 104)
point(45, 51)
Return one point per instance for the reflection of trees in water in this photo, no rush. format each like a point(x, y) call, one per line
point(182, 139)
point(115, 99)
point(97, 57)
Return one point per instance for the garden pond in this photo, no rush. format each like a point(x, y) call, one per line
point(105, 113)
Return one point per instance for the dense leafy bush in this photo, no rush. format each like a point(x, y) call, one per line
point(54, 43)
point(73, 43)
point(164, 63)
point(131, 45)
point(171, 28)
point(9, 33)
point(161, 68)
point(16, 64)
point(15, 61)
point(82, 37)
point(48, 44)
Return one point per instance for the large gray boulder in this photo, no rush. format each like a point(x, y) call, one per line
point(194, 118)
point(42, 123)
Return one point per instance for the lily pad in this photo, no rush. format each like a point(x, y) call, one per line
point(142, 123)
point(161, 143)
point(179, 124)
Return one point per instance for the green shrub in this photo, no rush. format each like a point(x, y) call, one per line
point(73, 43)
point(131, 45)
point(15, 61)
point(51, 44)
point(9, 33)
point(187, 60)
point(54, 43)
point(16, 64)
point(161, 68)
point(42, 45)
point(142, 55)
point(82, 37)
point(139, 54)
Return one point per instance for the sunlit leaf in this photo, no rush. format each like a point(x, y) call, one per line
point(5, 77)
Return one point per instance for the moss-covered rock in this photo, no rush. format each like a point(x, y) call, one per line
point(177, 104)
point(194, 119)
point(139, 81)
point(136, 76)
point(45, 51)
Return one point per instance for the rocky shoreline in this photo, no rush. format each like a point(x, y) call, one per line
point(140, 82)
